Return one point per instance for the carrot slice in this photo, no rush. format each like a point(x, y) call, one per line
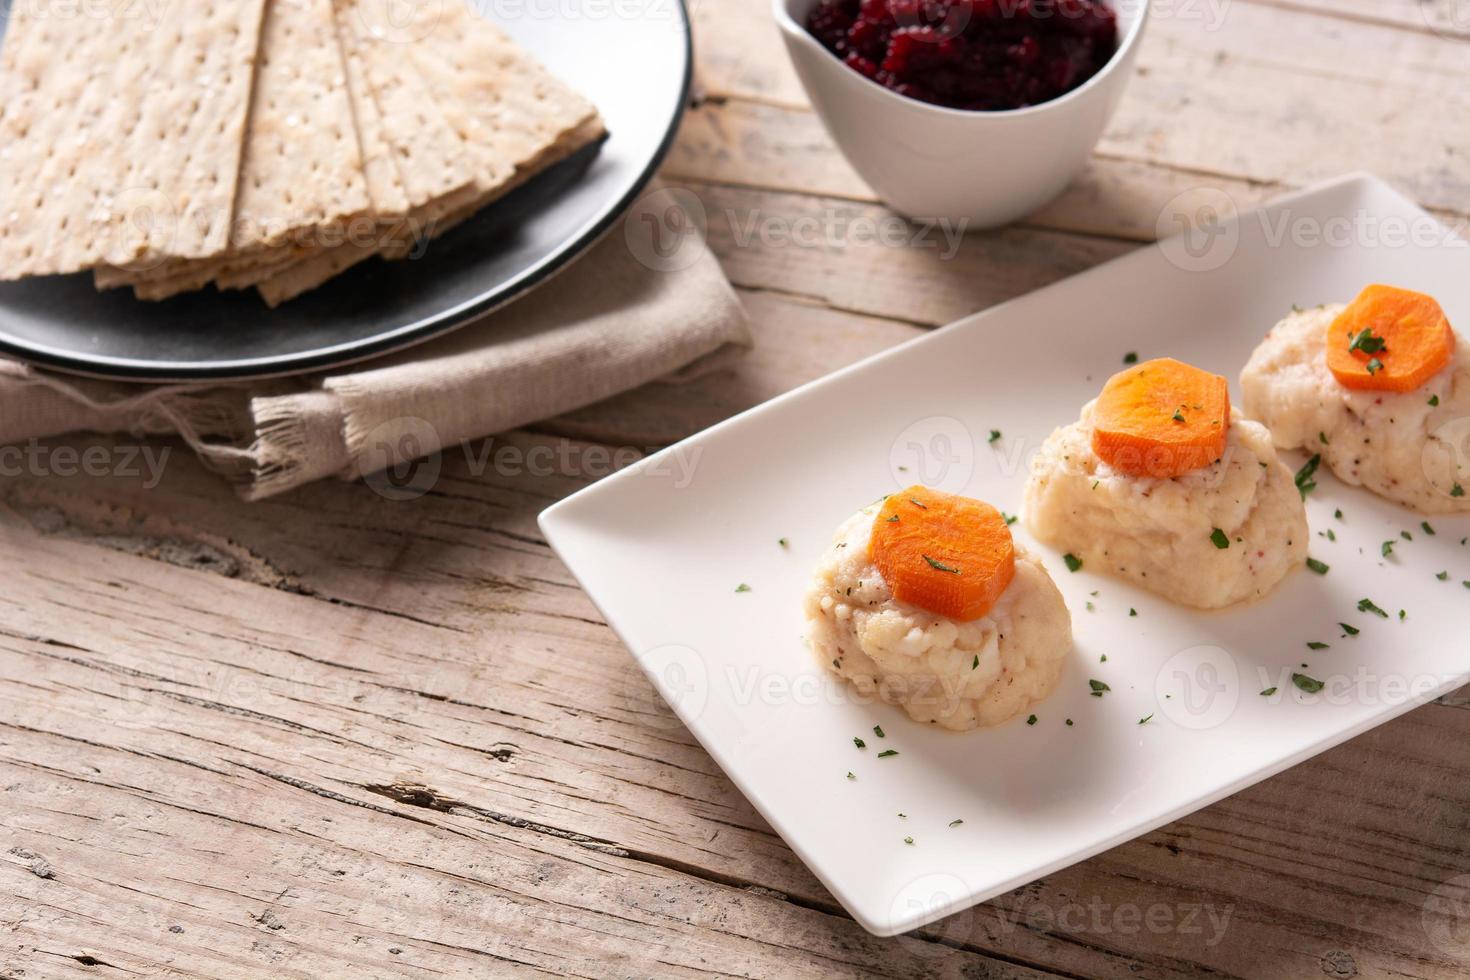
point(1389, 339)
point(1162, 418)
point(948, 554)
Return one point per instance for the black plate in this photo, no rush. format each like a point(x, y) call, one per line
point(632, 58)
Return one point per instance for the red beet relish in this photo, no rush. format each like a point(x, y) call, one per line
point(970, 54)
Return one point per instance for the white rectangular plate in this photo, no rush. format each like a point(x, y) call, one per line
point(662, 552)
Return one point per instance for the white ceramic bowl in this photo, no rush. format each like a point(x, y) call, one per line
point(926, 161)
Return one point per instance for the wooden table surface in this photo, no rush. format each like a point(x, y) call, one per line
point(334, 734)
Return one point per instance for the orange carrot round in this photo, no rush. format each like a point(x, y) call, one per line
point(1162, 418)
point(1389, 339)
point(948, 554)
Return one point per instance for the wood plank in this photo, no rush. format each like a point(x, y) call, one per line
point(738, 51)
point(512, 724)
point(797, 339)
point(252, 874)
point(263, 780)
point(749, 144)
point(1269, 96)
point(1443, 18)
point(862, 258)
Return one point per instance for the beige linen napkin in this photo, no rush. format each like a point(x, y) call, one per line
point(648, 301)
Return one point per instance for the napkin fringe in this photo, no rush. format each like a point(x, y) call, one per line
point(278, 453)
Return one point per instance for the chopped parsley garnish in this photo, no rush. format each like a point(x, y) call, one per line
point(742, 587)
point(976, 663)
point(1367, 343)
point(1374, 366)
point(1178, 415)
point(1323, 437)
point(994, 436)
point(1009, 518)
point(1031, 720)
point(1268, 692)
point(1434, 401)
point(1309, 684)
point(1387, 548)
point(1098, 687)
point(1145, 719)
point(1368, 606)
point(1131, 357)
point(887, 752)
point(1403, 615)
point(1221, 541)
point(1091, 607)
point(940, 566)
point(1304, 482)
point(1443, 576)
point(851, 776)
point(1428, 528)
point(1317, 645)
point(783, 542)
point(1132, 611)
point(1457, 491)
point(908, 840)
point(917, 504)
point(878, 730)
point(893, 519)
point(1103, 659)
point(1349, 630)
point(1320, 567)
point(1337, 514)
point(1073, 562)
point(1069, 722)
point(859, 742)
point(1330, 534)
point(955, 823)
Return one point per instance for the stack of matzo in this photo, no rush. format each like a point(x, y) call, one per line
point(260, 143)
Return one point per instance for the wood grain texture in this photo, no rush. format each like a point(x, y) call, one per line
point(333, 734)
